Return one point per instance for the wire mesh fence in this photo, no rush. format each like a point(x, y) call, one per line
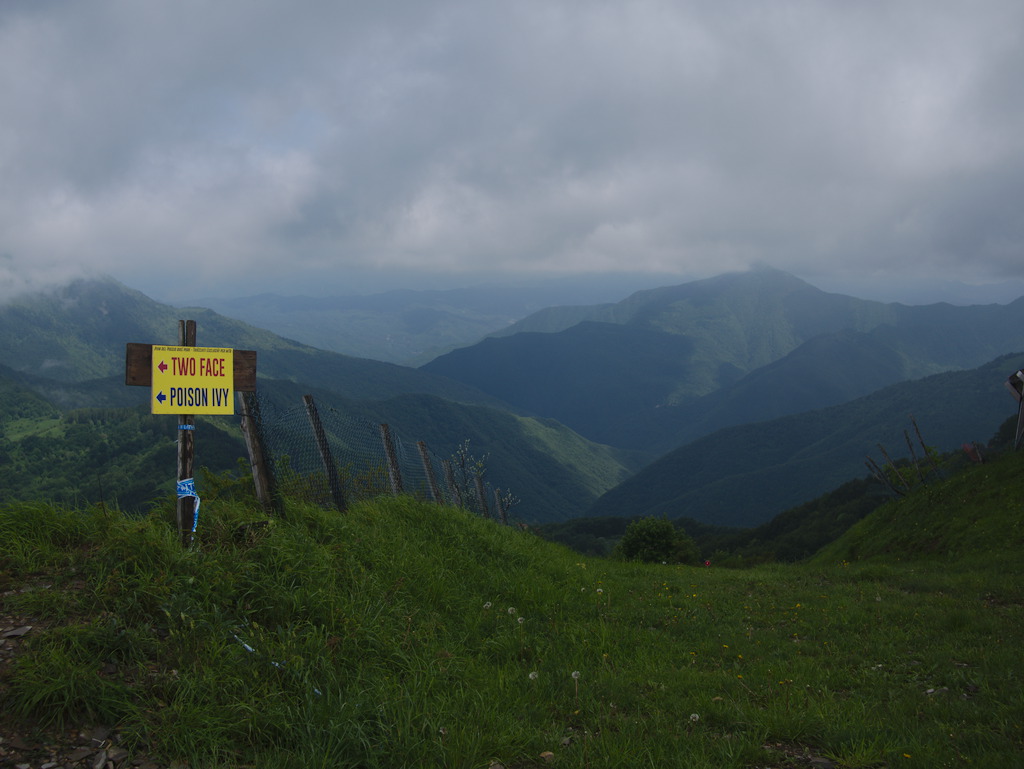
point(318, 454)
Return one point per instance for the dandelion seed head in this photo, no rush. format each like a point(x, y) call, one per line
point(511, 610)
point(576, 674)
point(522, 620)
point(533, 675)
point(487, 605)
point(695, 717)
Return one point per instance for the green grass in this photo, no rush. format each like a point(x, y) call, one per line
point(17, 429)
point(407, 635)
point(972, 519)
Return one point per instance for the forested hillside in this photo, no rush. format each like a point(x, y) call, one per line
point(71, 431)
point(67, 398)
point(735, 349)
point(745, 475)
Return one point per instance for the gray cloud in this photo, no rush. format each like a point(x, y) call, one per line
point(170, 144)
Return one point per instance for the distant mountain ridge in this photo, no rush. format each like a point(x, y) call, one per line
point(410, 326)
point(750, 346)
point(78, 332)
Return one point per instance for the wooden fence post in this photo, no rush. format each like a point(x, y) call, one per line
point(252, 431)
point(895, 470)
point(482, 497)
point(913, 456)
point(453, 487)
point(394, 471)
point(186, 506)
point(924, 449)
point(499, 506)
point(428, 468)
point(333, 482)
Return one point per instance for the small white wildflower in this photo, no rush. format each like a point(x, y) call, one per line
point(576, 674)
point(533, 675)
point(599, 591)
point(694, 717)
point(487, 605)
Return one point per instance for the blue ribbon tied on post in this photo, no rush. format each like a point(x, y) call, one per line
point(187, 488)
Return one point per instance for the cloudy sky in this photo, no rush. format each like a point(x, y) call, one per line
point(323, 146)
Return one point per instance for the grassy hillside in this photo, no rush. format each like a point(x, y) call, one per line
point(976, 519)
point(407, 635)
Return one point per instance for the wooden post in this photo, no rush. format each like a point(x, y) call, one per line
point(394, 471)
point(482, 497)
point(252, 431)
point(186, 508)
point(1015, 384)
point(913, 456)
point(892, 464)
point(881, 477)
point(428, 468)
point(453, 487)
point(499, 507)
point(924, 449)
point(333, 482)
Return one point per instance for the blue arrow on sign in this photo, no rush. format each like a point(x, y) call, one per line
point(161, 397)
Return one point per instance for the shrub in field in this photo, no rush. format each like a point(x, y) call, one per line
point(657, 540)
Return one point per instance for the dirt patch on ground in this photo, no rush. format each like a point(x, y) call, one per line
point(25, 744)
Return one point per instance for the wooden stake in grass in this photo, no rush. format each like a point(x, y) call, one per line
point(892, 466)
point(881, 477)
point(187, 502)
point(917, 430)
point(913, 456)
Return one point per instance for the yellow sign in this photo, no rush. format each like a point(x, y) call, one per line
point(193, 380)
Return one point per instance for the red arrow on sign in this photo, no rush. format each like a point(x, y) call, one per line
point(162, 367)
